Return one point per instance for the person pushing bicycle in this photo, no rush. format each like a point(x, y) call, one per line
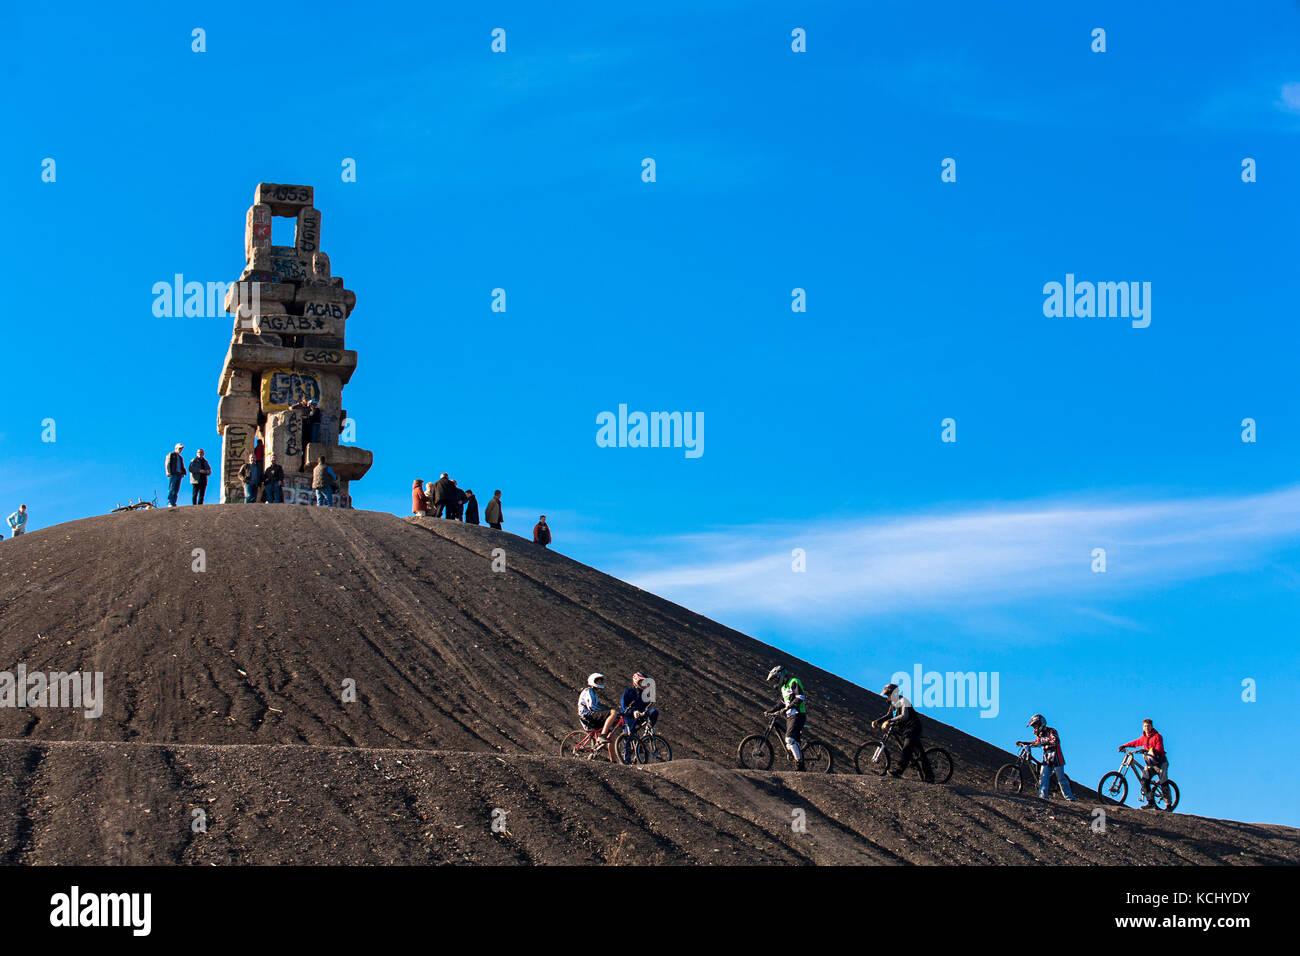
point(794, 707)
point(1053, 759)
point(1157, 761)
point(902, 718)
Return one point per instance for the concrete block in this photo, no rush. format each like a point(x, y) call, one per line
point(257, 357)
point(257, 229)
point(342, 362)
point(307, 236)
point(284, 199)
point(236, 444)
point(299, 325)
point(317, 294)
point(237, 410)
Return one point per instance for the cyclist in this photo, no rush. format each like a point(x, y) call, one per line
point(632, 706)
point(1157, 762)
point(903, 719)
point(592, 714)
point(794, 707)
point(1053, 759)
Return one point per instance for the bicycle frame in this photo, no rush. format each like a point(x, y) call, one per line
point(1130, 763)
point(590, 739)
point(1027, 758)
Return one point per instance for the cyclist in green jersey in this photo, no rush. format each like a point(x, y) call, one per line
point(795, 709)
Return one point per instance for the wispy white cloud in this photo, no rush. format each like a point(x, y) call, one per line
point(974, 557)
point(1290, 98)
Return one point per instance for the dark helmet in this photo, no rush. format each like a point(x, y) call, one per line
point(1038, 721)
point(777, 674)
point(888, 690)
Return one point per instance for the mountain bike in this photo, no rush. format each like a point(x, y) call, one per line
point(757, 750)
point(582, 743)
point(651, 747)
point(1024, 774)
point(874, 757)
point(1113, 788)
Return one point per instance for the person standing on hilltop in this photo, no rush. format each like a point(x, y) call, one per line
point(471, 507)
point(248, 475)
point(442, 495)
point(259, 456)
point(323, 481)
point(493, 512)
point(175, 468)
point(310, 411)
point(18, 521)
point(419, 503)
point(199, 471)
point(428, 497)
point(273, 483)
point(542, 532)
point(456, 508)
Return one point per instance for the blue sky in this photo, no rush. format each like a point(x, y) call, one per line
point(775, 171)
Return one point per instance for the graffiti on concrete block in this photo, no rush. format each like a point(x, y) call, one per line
point(237, 444)
point(324, 310)
point(323, 356)
point(291, 324)
point(290, 269)
point(297, 491)
point(282, 387)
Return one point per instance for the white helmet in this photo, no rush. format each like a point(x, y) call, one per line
point(596, 680)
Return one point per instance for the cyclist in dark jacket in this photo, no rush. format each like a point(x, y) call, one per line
point(903, 720)
point(1053, 758)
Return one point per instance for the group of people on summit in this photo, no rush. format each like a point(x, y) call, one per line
point(262, 482)
point(444, 499)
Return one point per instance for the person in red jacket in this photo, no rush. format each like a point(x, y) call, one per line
point(1157, 762)
point(419, 503)
point(541, 532)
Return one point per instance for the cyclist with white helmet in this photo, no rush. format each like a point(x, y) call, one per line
point(593, 715)
point(795, 708)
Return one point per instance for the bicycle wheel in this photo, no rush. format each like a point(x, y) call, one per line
point(940, 764)
point(654, 750)
point(817, 757)
point(569, 745)
point(872, 757)
point(625, 746)
point(1166, 795)
point(1008, 779)
point(1113, 788)
point(755, 752)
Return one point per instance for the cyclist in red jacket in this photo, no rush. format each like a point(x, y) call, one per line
point(1157, 762)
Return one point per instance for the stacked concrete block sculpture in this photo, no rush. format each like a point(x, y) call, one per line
point(287, 348)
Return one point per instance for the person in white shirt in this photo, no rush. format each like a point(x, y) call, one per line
point(592, 714)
